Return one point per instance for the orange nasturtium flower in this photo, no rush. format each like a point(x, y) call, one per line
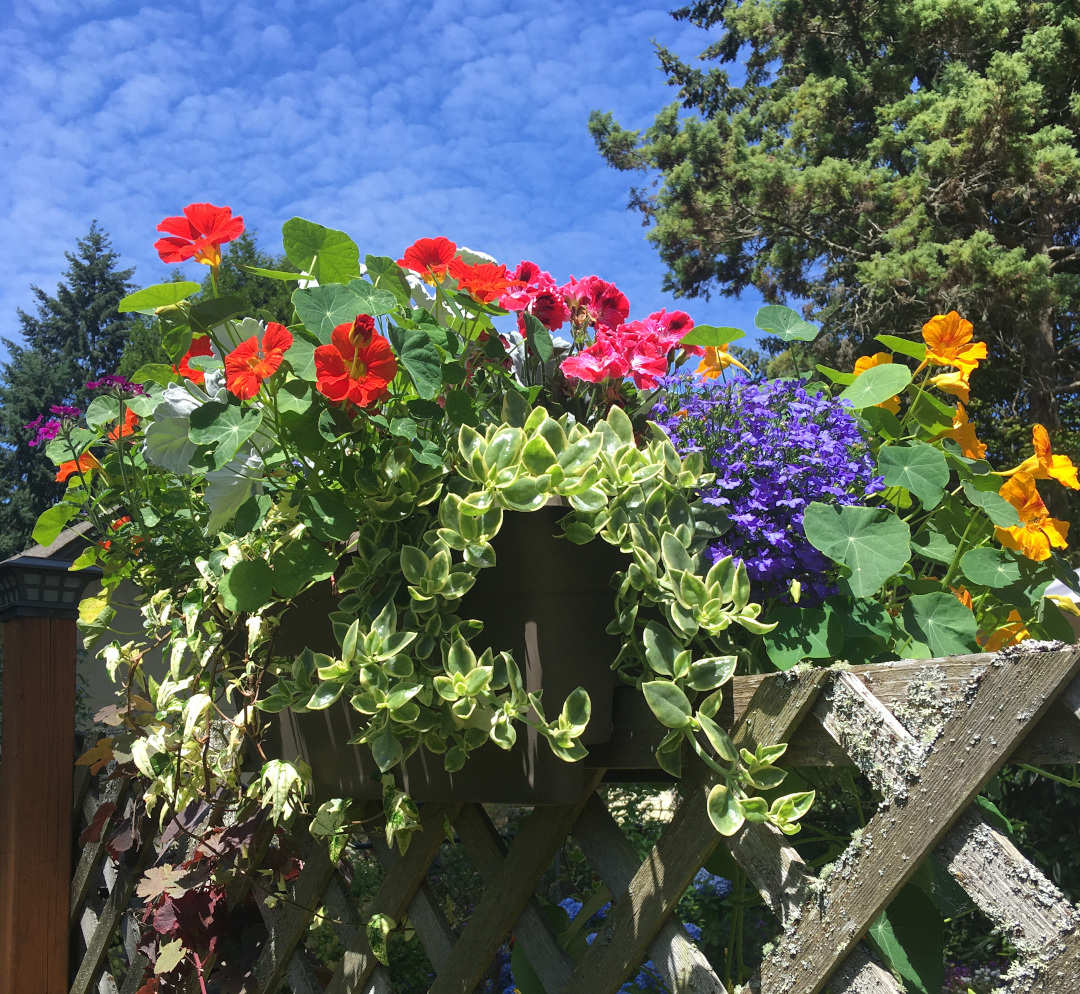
point(963, 432)
point(715, 360)
point(863, 363)
point(1037, 531)
point(200, 345)
point(483, 281)
point(253, 361)
point(963, 595)
point(1044, 465)
point(126, 427)
point(85, 463)
point(430, 257)
point(1014, 630)
point(948, 342)
point(357, 365)
point(955, 383)
point(199, 234)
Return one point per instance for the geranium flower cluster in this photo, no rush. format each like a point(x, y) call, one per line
point(775, 449)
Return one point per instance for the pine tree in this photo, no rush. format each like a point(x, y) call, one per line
point(885, 160)
point(76, 336)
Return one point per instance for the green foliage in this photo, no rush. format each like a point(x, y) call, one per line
point(848, 164)
point(76, 336)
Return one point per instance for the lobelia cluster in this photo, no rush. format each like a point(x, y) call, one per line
point(775, 449)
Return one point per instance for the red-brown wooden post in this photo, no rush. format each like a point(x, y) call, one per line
point(38, 606)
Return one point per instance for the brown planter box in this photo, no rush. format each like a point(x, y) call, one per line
point(546, 600)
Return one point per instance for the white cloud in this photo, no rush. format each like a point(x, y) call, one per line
point(391, 121)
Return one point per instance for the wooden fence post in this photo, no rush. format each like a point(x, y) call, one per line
point(39, 601)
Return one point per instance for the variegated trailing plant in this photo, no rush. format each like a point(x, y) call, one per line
point(378, 437)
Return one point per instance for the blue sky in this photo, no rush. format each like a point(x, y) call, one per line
point(391, 121)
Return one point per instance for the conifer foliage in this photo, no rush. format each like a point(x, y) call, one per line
point(75, 336)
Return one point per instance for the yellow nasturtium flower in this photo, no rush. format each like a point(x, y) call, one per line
point(1012, 632)
point(716, 360)
point(955, 383)
point(948, 342)
point(963, 432)
point(863, 363)
point(1037, 531)
point(1044, 465)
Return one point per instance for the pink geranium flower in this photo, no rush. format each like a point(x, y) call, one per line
point(593, 301)
point(600, 361)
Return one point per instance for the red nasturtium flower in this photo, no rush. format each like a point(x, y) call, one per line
point(85, 463)
point(126, 427)
point(253, 361)
point(199, 346)
point(484, 281)
point(199, 234)
point(357, 365)
point(430, 257)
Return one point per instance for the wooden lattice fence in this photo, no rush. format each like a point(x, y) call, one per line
point(927, 734)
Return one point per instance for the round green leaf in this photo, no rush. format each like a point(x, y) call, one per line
point(323, 308)
point(942, 622)
point(872, 543)
point(328, 255)
point(248, 586)
point(707, 335)
point(990, 567)
point(300, 563)
point(804, 633)
point(876, 385)
point(420, 358)
point(784, 323)
point(919, 468)
point(163, 295)
point(997, 508)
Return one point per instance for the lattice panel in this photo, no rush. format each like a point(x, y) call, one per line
point(927, 787)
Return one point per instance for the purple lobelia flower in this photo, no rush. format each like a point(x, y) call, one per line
point(775, 448)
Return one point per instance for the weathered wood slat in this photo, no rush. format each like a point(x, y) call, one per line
point(432, 928)
point(507, 894)
point(287, 923)
point(1025, 906)
point(686, 843)
point(533, 930)
point(395, 895)
point(1015, 691)
point(92, 855)
point(682, 965)
point(93, 961)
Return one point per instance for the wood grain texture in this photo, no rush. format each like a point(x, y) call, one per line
point(1014, 691)
point(683, 966)
point(394, 896)
point(632, 924)
point(36, 789)
point(533, 930)
point(507, 894)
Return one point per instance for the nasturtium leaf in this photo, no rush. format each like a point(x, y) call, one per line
point(323, 308)
point(920, 468)
point(916, 350)
point(997, 508)
point(205, 315)
point(420, 358)
point(942, 622)
point(388, 275)
point(910, 935)
point(271, 274)
point(461, 408)
point(248, 586)
point(876, 385)
point(298, 564)
point(883, 422)
point(148, 300)
point(990, 567)
point(784, 323)
point(930, 543)
point(224, 426)
point(835, 375)
point(373, 301)
point(707, 335)
point(803, 633)
point(328, 255)
point(872, 543)
point(327, 515)
point(51, 523)
point(301, 356)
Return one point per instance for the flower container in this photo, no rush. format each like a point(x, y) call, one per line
point(546, 600)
